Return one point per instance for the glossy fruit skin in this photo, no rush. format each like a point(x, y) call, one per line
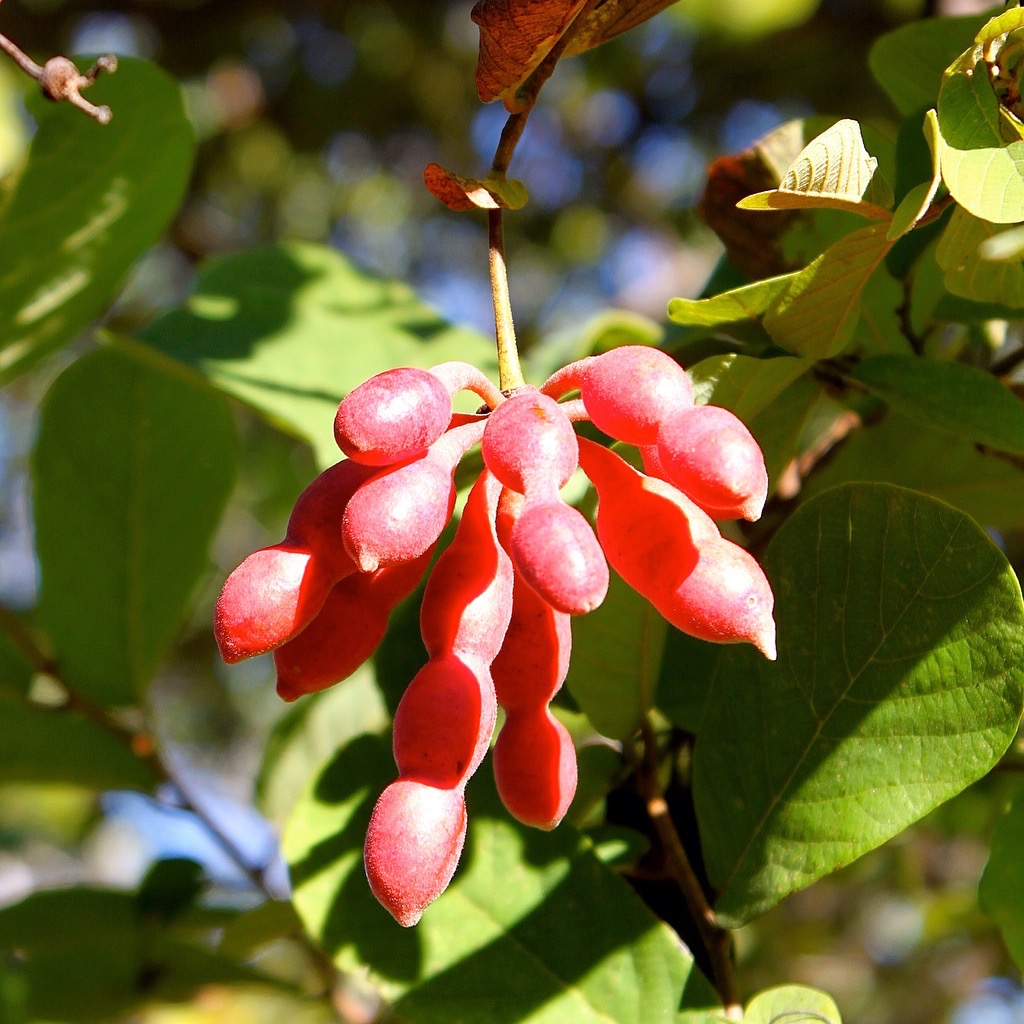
point(530, 446)
point(710, 455)
point(534, 757)
point(277, 591)
point(444, 722)
point(705, 585)
point(346, 631)
point(495, 616)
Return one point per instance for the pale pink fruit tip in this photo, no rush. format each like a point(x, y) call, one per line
point(765, 641)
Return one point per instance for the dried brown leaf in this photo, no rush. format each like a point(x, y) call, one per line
point(612, 18)
point(515, 36)
point(461, 194)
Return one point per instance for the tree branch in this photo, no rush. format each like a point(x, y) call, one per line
point(717, 940)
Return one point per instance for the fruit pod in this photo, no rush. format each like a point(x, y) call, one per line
point(400, 413)
point(413, 845)
point(709, 454)
point(347, 629)
point(726, 599)
point(534, 760)
point(627, 391)
point(535, 768)
point(276, 592)
point(445, 719)
point(401, 510)
point(530, 446)
point(648, 530)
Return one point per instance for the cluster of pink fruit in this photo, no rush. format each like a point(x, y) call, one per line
point(495, 612)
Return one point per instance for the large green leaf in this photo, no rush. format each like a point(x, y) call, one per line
point(908, 62)
point(743, 303)
point(291, 328)
point(980, 147)
point(743, 384)
point(38, 745)
point(899, 450)
point(816, 315)
point(615, 661)
point(132, 468)
point(89, 202)
point(963, 400)
point(900, 680)
point(1000, 893)
point(533, 930)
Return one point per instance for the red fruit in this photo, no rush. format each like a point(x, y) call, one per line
point(530, 445)
point(275, 593)
point(413, 844)
point(726, 599)
point(645, 525)
point(400, 512)
point(468, 600)
point(535, 768)
point(554, 549)
point(710, 455)
point(627, 391)
point(347, 629)
point(444, 721)
point(394, 416)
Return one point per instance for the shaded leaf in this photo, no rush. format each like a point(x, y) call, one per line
point(132, 467)
point(743, 384)
point(290, 329)
point(461, 194)
point(908, 63)
point(999, 892)
point(250, 931)
point(898, 450)
point(917, 202)
point(898, 683)
point(514, 38)
point(965, 273)
point(15, 672)
point(963, 400)
point(560, 938)
point(39, 745)
point(309, 733)
point(816, 315)
point(615, 661)
point(833, 170)
point(89, 202)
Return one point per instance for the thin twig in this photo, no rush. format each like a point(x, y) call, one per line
point(717, 940)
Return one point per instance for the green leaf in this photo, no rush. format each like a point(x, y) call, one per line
point(967, 273)
point(90, 201)
point(965, 401)
point(743, 384)
point(108, 958)
point(747, 302)
point(816, 316)
point(981, 168)
point(1007, 245)
point(917, 202)
point(615, 661)
point(308, 735)
point(15, 672)
point(908, 63)
point(999, 892)
point(898, 450)
point(791, 1004)
point(834, 170)
point(38, 745)
point(250, 931)
point(685, 682)
point(132, 468)
point(561, 938)
point(898, 683)
point(291, 328)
